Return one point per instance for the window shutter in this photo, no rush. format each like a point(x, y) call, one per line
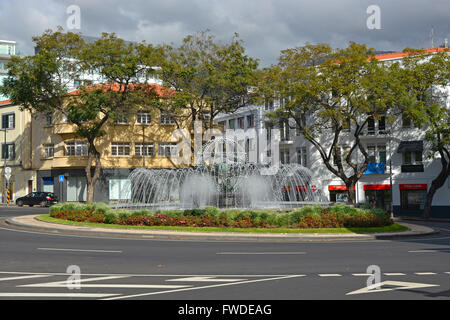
point(4, 122)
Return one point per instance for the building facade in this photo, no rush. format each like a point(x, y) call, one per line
point(399, 167)
point(60, 156)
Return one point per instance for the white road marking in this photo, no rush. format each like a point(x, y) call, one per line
point(362, 274)
point(423, 251)
point(24, 277)
point(394, 274)
point(205, 279)
point(56, 295)
point(398, 286)
point(204, 287)
point(424, 273)
point(78, 250)
point(330, 275)
point(260, 253)
point(63, 284)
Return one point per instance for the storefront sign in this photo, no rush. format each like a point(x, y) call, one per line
point(377, 187)
point(338, 188)
point(413, 187)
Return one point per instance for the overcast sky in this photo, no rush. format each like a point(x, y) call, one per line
point(266, 26)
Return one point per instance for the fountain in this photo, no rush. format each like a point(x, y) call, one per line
point(222, 181)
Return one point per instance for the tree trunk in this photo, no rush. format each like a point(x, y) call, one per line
point(436, 184)
point(351, 192)
point(92, 179)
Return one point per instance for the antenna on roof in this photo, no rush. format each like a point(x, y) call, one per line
point(432, 36)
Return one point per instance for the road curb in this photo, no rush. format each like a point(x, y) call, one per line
point(56, 228)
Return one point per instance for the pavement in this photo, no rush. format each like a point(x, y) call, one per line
point(32, 222)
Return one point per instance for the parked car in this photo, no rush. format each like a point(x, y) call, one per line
point(44, 199)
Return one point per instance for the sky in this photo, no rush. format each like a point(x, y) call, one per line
point(265, 26)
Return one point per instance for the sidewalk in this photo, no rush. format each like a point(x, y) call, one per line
point(33, 223)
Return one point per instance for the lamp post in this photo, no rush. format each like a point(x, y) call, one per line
point(143, 145)
point(4, 151)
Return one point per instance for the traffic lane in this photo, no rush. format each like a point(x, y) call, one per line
point(21, 250)
point(14, 211)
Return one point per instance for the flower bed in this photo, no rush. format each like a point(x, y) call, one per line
point(339, 216)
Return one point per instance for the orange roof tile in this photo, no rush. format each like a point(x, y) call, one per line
point(397, 55)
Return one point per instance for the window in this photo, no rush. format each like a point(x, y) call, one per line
point(144, 117)
point(240, 123)
point(412, 157)
point(302, 156)
point(167, 118)
point(166, 149)
point(299, 129)
point(121, 118)
point(147, 149)
point(377, 153)
point(413, 199)
point(284, 156)
point(407, 122)
point(49, 150)
point(8, 121)
point(232, 124)
point(284, 130)
point(250, 121)
point(77, 148)
point(119, 149)
point(49, 119)
point(345, 150)
point(8, 151)
point(372, 128)
point(119, 189)
point(268, 104)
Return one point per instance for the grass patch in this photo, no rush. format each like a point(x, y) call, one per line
point(390, 228)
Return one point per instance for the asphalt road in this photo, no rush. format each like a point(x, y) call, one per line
point(33, 265)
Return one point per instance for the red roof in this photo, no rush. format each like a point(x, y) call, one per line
point(5, 102)
point(160, 90)
point(397, 55)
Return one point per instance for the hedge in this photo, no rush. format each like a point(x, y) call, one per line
point(338, 216)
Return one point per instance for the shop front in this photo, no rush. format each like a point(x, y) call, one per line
point(378, 195)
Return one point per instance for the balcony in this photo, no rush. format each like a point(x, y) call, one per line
point(376, 168)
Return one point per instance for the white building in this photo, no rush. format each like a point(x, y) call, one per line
point(398, 151)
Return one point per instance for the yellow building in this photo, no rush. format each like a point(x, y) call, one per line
point(15, 151)
point(59, 156)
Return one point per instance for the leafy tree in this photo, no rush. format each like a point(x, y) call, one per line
point(42, 83)
point(427, 77)
point(338, 91)
point(208, 77)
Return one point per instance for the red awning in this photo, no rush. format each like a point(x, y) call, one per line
point(413, 187)
point(341, 187)
point(377, 187)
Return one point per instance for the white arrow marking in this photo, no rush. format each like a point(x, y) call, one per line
point(399, 286)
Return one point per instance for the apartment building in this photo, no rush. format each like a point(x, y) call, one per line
point(398, 168)
point(60, 155)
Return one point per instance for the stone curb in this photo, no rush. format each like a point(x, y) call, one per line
point(35, 224)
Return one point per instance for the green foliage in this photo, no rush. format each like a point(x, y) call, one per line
point(305, 217)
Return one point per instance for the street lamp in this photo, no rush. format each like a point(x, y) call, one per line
point(5, 185)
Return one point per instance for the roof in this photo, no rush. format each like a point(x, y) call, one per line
point(398, 55)
point(158, 89)
point(5, 102)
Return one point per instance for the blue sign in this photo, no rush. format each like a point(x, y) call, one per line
point(375, 168)
point(61, 178)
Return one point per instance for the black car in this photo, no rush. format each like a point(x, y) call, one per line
point(37, 198)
